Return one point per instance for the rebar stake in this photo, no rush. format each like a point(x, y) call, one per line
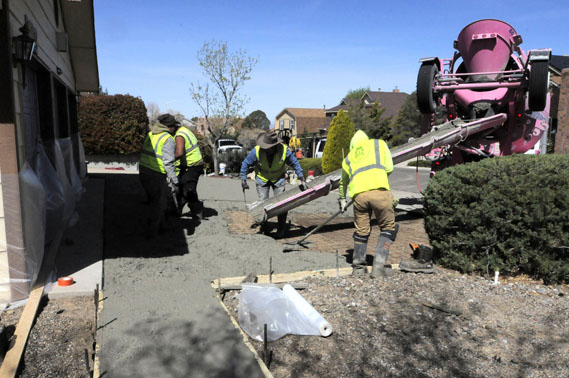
point(337, 264)
point(267, 354)
point(271, 269)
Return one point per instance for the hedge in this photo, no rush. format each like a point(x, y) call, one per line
point(509, 214)
point(115, 125)
point(311, 164)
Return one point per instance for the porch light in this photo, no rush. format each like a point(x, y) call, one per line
point(24, 46)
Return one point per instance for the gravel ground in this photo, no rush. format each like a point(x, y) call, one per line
point(439, 325)
point(61, 341)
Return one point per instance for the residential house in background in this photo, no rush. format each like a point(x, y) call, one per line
point(391, 101)
point(47, 59)
point(201, 126)
point(297, 121)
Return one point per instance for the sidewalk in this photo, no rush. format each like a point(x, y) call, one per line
point(81, 252)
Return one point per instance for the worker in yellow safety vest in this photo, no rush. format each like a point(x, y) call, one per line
point(190, 166)
point(270, 158)
point(157, 172)
point(364, 173)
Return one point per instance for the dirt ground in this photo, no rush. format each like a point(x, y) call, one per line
point(417, 325)
point(61, 341)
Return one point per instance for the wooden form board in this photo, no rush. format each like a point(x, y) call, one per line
point(290, 277)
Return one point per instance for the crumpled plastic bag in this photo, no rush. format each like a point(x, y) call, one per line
point(284, 314)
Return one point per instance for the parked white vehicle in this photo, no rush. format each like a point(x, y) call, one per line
point(319, 151)
point(227, 145)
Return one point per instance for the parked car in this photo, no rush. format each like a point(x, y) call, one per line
point(319, 151)
point(227, 145)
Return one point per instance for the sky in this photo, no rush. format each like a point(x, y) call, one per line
point(310, 53)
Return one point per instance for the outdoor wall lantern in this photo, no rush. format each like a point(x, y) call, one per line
point(24, 46)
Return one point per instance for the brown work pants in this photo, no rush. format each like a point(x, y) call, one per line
point(380, 202)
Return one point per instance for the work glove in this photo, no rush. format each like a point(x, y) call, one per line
point(343, 204)
point(244, 184)
point(303, 184)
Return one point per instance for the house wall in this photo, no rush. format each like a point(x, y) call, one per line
point(562, 137)
point(287, 118)
point(17, 235)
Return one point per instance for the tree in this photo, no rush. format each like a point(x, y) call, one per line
point(356, 94)
point(219, 99)
point(408, 122)
point(338, 143)
point(257, 120)
point(370, 119)
point(152, 111)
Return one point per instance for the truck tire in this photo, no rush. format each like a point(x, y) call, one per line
point(538, 85)
point(426, 100)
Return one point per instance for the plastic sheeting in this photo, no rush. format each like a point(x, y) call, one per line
point(43, 199)
point(59, 196)
point(25, 262)
point(82, 165)
point(67, 151)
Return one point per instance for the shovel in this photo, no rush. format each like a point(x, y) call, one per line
point(301, 241)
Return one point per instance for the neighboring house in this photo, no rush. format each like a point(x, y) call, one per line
point(201, 126)
point(391, 101)
point(297, 121)
point(41, 155)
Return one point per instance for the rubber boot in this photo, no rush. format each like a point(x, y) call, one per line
point(359, 265)
point(422, 263)
point(282, 226)
point(386, 238)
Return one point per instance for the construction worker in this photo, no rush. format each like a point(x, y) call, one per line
point(190, 166)
point(270, 158)
point(156, 170)
point(364, 173)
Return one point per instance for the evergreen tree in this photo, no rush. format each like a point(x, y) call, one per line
point(408, 122)
point(370, 119)
point(338, 142)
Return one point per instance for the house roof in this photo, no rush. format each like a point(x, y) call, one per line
point(307, 118)
point(560, 62)
point(302, 112)
point(344, 105)
point(79, 21)
point(391, 101)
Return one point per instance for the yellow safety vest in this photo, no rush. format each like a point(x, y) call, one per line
point(151, 155)
point(191, 148)
point(276, 170)
point(364, 167)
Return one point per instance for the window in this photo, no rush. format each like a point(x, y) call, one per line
point(281, 124)
point(291, 124)
point(56, 12)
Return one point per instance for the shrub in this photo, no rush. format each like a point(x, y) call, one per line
point(233, 160)
point(509, 214)
point(338, 143)
point(112, 124)
point(311, 164)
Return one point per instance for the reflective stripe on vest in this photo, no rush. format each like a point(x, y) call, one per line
point(151, 155)
point(191, 148)
point(277, 169)
point(366, 182)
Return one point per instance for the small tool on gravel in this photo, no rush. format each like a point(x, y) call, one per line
point(301, 241)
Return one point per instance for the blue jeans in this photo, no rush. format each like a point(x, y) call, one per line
point(264, 188)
